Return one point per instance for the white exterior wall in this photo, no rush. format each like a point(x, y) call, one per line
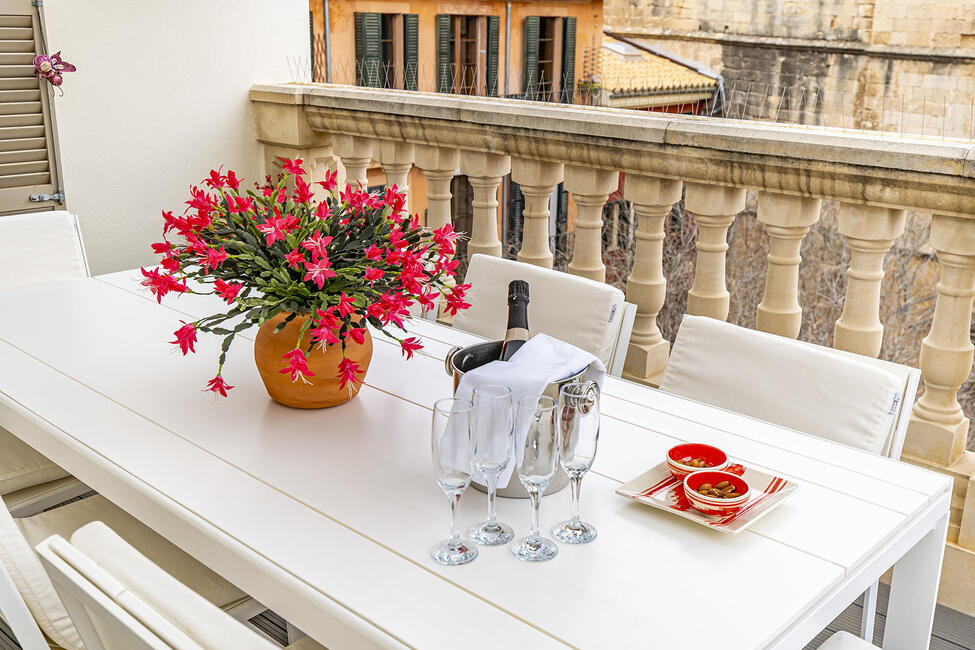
point(160, 98)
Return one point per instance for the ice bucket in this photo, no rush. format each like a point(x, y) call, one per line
point(462, 359)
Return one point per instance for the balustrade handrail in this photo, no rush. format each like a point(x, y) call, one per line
point(822, 162)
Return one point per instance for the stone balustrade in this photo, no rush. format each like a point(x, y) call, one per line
point(710, 163)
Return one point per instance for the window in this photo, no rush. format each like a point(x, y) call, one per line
point(549, 58)
point(386, 50)
point(467, 54)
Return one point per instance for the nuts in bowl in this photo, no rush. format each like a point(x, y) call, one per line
point(715, 492)
point(693, 457)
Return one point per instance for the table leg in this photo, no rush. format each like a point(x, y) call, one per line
point(914, 592)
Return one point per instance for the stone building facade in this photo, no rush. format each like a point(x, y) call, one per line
point(904, 66)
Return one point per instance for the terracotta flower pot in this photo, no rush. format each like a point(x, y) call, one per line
point(324, 390)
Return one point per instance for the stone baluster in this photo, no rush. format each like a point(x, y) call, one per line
point(439, 164)
point(870, 232)
point(590, 188)
point(939, 428)
point(356, 154)
point(285, 133)
point(714, 208)
point(787, 220)
point(537, 180)
point(396, 159)
point(652, 200)
point(484, 171)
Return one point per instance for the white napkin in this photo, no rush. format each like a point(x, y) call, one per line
point(540, 361)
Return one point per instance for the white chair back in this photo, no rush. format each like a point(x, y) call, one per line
point(40, 247)
point(118, 598)
point(591, 315)
point(837, 395)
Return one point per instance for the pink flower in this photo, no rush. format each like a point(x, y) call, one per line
point(295, 258)
point(318, 271)
point(292, 166)
point(395, 199)
point(409, 346)
point(228, 290)
point(371, 275)
point(455, 299)
point(162, 248)
point(233, 182)
point(445, 238)
point(185, 337)
point(218, 385)
point(303, 193)
point(324, 332)
point(274, 228)
point(215, 180)
point(376, 310)
point(331, 180)
point(297, 366)
point(374, 253)
point(161, 284)
point(346, 305)
point(322, 211)
point(317, 244)
point(348, 369)
point(214, 258)
point(357, 334)
point(240, 204)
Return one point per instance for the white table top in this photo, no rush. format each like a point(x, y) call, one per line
point(328, 516)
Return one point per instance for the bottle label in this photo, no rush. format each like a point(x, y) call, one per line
point(517, 334)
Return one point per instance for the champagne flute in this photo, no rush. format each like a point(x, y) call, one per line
point(493, 427)
point(579, 430)
point(453, 452)
point(536, 466)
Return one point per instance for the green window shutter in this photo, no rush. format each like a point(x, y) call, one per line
point(411, 40)
point(371, 55)
point(444, 81)
point(568, 59)
point(529, 82)
point(359, 19)
point(491, 76)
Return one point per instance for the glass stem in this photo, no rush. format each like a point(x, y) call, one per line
point(536, 499)
point(453, 500)
point(575, 484)
point(492, 486)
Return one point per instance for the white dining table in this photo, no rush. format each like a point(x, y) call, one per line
point(328, 516)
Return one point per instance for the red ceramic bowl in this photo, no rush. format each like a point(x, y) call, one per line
point(713, 505)
point(717, 458)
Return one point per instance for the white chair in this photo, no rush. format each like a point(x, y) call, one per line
point(35, 249)
point(45, 610)
point(833, 394)
point(591, 315)
point(118, 598)
point(846, 641)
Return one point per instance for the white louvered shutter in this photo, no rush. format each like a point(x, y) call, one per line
point(27, 140)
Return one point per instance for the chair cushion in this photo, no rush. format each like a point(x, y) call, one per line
point(182, 606)
point(48, 236)
point(46, 494)
point(21, 466)
point(793, 384)
point(576, 310)
point(66, 519)
point(846, 641)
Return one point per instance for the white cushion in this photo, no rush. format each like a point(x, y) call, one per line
point(182, 606)
point(38, 248)
point(19, 536)
point(846, 641)
point(21, 466)
point(576, 310)
point(793, 384)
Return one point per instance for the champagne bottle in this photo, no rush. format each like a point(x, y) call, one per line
point(517, 333)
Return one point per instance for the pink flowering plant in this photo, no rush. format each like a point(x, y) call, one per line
point(351, 259)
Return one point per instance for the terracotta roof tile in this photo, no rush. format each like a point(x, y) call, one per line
point(630, 71)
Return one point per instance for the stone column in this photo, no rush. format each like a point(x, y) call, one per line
point(356, 154)
point(787, 220)
point(537, 180)
point(938, 426)
point(439, 164)
point(285, 133)
point(646, 287)
point(870, 232)
point(590, 188)
point(396, 159)
point(714, 208)
point(484, 171)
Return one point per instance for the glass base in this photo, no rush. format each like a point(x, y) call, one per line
point(569, 532)
point(538, 549)
point(491, 534)
point(451, 553)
